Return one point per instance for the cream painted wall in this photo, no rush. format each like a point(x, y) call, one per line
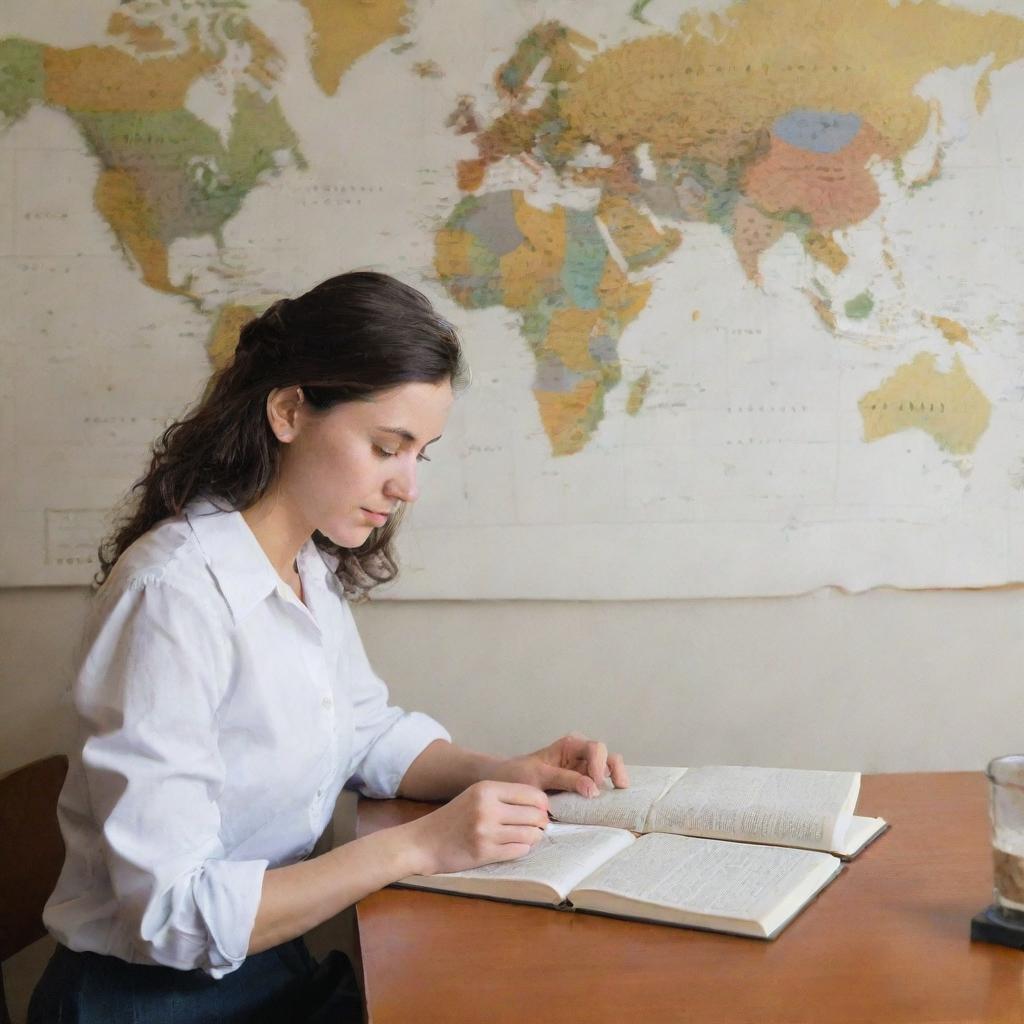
point(885, 681)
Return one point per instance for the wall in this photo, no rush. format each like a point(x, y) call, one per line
point(884, 681)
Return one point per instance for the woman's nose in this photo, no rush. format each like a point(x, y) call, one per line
point(403, 484)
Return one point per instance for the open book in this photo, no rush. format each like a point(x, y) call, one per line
point(780, 806)
point(592, 858)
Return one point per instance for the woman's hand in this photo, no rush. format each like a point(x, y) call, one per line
point(490, 821)
point(571, 763)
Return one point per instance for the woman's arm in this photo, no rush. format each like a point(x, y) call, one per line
point(488, 822)
point(571, 763)
point(498, 812)
point(443, 770)
point(301, 896)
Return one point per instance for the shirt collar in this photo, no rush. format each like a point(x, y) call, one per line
point(238, 563)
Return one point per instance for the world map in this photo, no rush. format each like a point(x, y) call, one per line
point(772, 173)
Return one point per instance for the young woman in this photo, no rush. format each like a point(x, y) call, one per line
point(225, 697)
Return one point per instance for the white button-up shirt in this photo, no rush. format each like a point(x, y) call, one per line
point(220, 718)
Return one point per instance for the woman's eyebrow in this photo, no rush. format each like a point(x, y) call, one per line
point(406, 435)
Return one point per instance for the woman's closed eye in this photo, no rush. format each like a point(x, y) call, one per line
point(388, 453)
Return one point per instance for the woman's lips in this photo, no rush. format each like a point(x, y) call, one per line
point(377, 518)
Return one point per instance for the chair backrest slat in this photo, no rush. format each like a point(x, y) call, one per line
point(31, 849)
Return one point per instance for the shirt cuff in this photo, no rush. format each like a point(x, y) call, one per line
point(389, 758)
point(227, 895)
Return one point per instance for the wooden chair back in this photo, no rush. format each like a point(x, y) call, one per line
point(31, 854)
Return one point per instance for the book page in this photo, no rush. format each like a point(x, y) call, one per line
point(713, 883)
point(861, 832)
point(567, 854)
point(617, 808)
point(782, 806)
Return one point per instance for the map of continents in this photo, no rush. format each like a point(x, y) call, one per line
point(765, 125)
point(556, 182)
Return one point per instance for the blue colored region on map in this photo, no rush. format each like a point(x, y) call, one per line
point(818, 131)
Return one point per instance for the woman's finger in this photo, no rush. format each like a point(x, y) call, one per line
point(520, 814)
point(515, 834)
point(590, 756)
point(597, 761)
point(620, 777)
point(518, 793)
point(571, 781)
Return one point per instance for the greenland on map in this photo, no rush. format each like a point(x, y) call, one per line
point(741, 284)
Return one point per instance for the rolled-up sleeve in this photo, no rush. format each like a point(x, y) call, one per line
point(149, 694)
point(387, 739)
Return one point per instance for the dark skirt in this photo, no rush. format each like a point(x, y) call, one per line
point(283, 984)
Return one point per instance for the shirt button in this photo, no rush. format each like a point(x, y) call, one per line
point(327, 702)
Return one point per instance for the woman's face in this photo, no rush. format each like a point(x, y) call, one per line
point(344, 471)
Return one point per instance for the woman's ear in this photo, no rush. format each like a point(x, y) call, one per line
point(283, 406)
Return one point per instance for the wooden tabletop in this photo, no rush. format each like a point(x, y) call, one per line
point(887, 942)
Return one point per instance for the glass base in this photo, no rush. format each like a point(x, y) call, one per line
point(993, 925)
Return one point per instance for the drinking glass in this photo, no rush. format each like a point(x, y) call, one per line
point(1006, 778)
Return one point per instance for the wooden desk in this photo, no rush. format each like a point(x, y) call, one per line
point(886, 943)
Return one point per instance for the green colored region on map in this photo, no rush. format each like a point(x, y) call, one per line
point(259, 131)
point(761, 120)
point(637, 10)
point(860, 306)
point(21, 76)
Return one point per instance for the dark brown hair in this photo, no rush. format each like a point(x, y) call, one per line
point(345, 340)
